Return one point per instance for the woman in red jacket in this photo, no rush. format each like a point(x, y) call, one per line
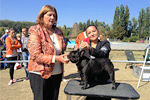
point(12, 45)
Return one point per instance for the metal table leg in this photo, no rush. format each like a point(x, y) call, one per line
point(68, 97)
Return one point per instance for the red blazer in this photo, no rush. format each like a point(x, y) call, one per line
point(42, 50)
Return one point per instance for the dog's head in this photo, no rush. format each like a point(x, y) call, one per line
point(76, 55)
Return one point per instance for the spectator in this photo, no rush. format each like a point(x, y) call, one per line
point(25, 53)
point(12, 45)
point(46, 47)
point(4, 37)
point(102, 37)
point(19, 57)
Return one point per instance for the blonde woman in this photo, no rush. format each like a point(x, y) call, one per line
point(46, 48)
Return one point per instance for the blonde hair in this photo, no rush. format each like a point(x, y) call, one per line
point(43, 11)
point(18, 35)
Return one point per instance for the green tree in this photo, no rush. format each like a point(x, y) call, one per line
point(127, 28)
point(116, 18)
point(80, 27)
point(147, 22)
point(17, 26)
point(84, 26)
point(122, 17)
point(88, 22)
point(134, 26)
point(92, 23)
point(118, 32)
point(96, 23)
point(141, 23)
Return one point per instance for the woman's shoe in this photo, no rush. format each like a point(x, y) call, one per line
point(10, 82)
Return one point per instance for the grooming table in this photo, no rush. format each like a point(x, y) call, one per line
point(123, 91)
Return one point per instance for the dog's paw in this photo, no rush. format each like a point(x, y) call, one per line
point(81, 83)
point(83, 88)
point(114, 88)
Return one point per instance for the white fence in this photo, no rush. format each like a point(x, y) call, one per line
point(119, 61)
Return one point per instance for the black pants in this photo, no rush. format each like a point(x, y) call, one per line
point(11, 66)
point(45, 89)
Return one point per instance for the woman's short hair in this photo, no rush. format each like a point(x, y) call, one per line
point(43, 11)
point(90, 26)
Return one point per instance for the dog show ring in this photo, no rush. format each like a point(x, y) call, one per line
point(123, 90)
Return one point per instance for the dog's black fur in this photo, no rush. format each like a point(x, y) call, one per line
point(92, 71)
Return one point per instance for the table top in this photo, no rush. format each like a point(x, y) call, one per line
point(123, 91)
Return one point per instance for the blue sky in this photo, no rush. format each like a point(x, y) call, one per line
point(69, 11)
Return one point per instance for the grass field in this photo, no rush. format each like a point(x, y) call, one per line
point(22, 91)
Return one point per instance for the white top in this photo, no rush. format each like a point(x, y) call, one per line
point(24, 40)
point(57, 67)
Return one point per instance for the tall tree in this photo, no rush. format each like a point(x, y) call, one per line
point(80, 27)
point(92, 23)
point(96, 23)
point(116, 18)
point(84, 26)
point(122, 17)
point(118, 32)
point(147, 22)
point(88, 22)
point(134, 26)
point(127, 15)
point(141, 23)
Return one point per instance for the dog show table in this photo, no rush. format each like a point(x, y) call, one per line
point(123, 91)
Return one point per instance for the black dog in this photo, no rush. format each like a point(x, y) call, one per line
point(92, 70)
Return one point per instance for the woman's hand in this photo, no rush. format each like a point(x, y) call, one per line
point(62, 58)
point(84, 45)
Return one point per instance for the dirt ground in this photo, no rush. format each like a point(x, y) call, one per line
point(21, 89)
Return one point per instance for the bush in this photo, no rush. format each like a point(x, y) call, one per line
point(133, 38)
point(125, 39)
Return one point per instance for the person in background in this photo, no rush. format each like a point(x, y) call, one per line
point(97, 48)
point(18, 37)
point(102, 37)
point(4, 46)
point(19, 57)
point(12, 45)
point(81, 37)
point(4, 37)
point(46, 48)
point(25, 53)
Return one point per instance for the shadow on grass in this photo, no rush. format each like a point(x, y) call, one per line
point(144, 84)
point(20, 79)
point(74, 75)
